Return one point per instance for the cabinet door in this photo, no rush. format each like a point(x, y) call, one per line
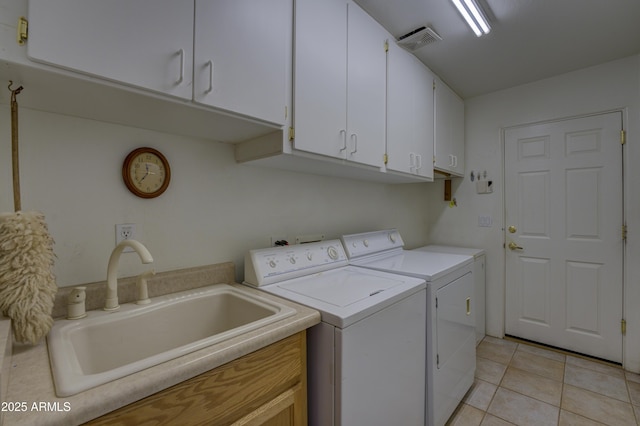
point(449, 130)
point(242, 51)
point(366, 88)
point(144, 43)
point(320, 76)
point(409, 114)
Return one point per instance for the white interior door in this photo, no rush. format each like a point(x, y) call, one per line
point(564, 242)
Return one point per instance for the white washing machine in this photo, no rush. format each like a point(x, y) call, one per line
point(451, 356)
point(479, 281)
point(366, 357)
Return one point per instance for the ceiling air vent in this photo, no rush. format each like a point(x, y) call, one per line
point(418, 38)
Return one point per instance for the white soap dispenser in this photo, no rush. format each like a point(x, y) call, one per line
point(75, 303)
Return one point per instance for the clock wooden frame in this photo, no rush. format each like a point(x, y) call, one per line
point(129, 164)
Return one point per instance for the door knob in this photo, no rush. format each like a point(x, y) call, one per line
point(514, 246)
point(512, 229)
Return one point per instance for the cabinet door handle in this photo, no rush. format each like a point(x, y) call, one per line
point(455, 161)
point(181, 76)
point(412, 161)
point(344, 140)
point(468, 306)
point(451, 160)
point(418, 162)
point(210, 65)
point(354, 138)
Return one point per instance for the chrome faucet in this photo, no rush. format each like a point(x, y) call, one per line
point(111, 304)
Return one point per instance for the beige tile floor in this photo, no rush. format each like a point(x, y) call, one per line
point(521, 384)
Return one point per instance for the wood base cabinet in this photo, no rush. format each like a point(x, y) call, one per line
point(267, 387)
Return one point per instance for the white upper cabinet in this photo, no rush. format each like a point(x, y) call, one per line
point(449, 130)
point(409, 114)
point(242, 51)
point(144, 43)
point(235, 56)
point(339, 82)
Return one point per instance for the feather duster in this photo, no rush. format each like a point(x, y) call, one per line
point(27, 283)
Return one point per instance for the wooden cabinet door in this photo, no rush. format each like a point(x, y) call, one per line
point(243, 56)
point(265, 387)
point(143, 43)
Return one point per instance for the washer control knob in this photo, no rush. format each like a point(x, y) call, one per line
point(332, 252)
point(366, 243)
point(309, 256)
point(292, 260)
point(272, 263)
point(392, 237)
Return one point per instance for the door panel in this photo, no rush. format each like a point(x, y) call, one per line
point(563, 198)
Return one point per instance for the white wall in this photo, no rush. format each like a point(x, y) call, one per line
point(214, 210)
point(609, 86)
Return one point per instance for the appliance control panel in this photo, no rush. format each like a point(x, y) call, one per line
point(274, 264)
point(357, 245)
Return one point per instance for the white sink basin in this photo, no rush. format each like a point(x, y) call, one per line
point(105, 346)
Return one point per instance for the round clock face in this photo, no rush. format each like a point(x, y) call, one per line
point(146, 172)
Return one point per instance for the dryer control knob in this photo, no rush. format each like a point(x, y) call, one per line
point(332, 252)
point(366, 243)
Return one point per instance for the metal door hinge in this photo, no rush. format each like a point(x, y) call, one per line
point(292, 133)
point(22, 30)
point(386, 45)
point(438, 360)
point(624, 232)
point(623, 137)
point(623, 326)
point(385, 158)
point(436, 303)
point(434, 85)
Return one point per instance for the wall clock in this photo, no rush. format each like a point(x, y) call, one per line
point(146, 172)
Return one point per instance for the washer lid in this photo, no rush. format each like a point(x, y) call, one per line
point(348, 294)
point(342, 289)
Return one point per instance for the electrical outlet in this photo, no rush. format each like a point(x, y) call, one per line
point(275, 238)
point(125, 231)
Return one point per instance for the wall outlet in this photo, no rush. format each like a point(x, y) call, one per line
point(125, 231)
point(276, 238)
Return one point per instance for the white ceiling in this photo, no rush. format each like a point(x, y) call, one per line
point(529, 40)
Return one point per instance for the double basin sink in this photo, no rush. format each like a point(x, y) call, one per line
point(106, 346)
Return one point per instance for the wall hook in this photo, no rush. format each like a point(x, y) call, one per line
point(14, 92)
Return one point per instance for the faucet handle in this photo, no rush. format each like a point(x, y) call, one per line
point(141, 284)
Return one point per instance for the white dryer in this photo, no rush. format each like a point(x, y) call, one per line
point(366, 357)
point(451, 357)
point(479, 281)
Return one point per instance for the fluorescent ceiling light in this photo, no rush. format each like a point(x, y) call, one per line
point(474, 17)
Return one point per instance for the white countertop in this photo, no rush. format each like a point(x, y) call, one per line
point(31, 388)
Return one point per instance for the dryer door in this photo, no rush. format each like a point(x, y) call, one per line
point(455, 341)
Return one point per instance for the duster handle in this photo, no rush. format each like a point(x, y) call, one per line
point(14, 146)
